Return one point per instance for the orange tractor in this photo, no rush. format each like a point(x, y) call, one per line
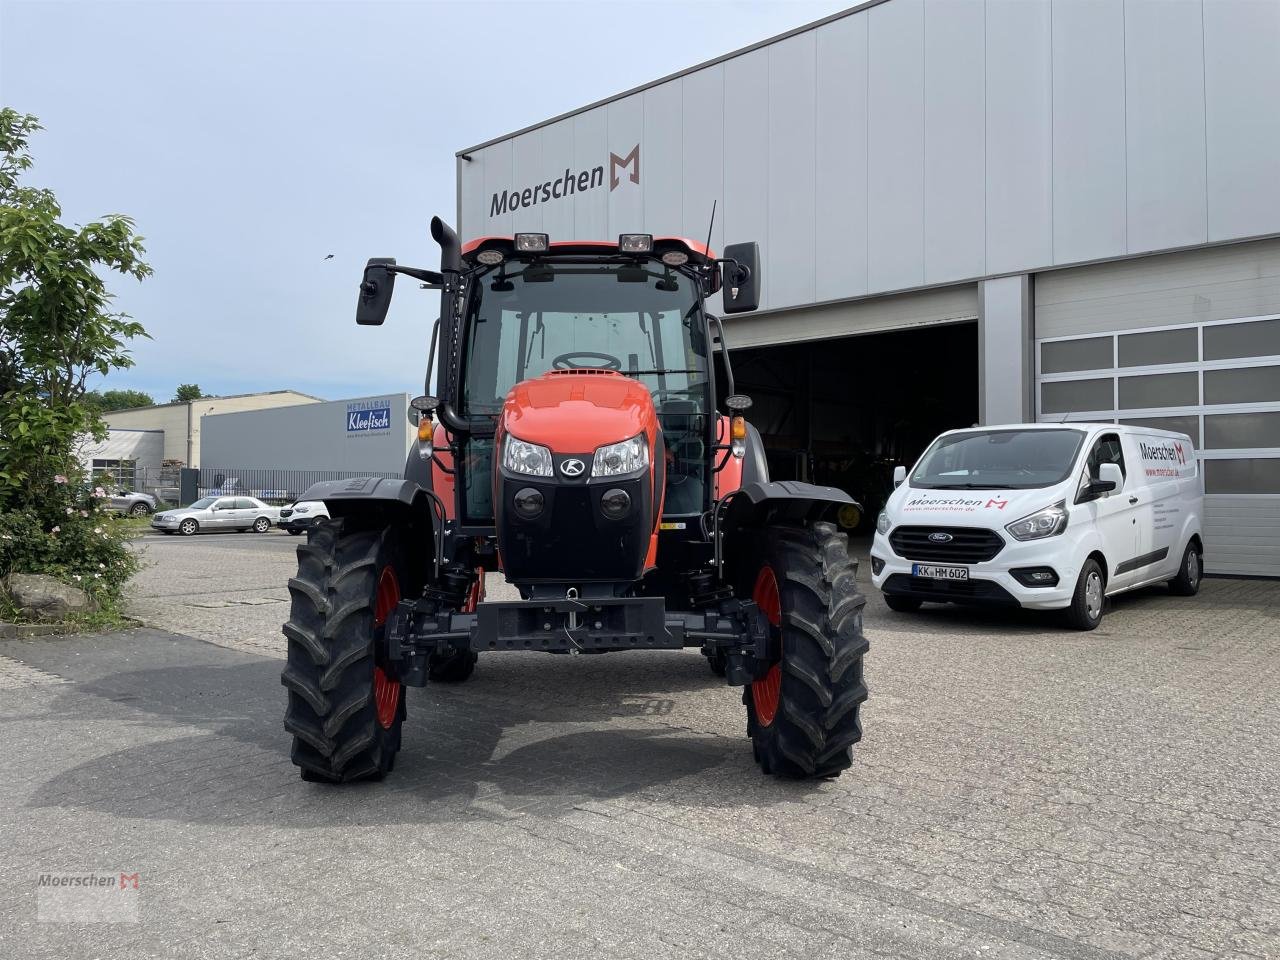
point(576, 444)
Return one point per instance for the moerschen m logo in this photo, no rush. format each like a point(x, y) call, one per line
point(365, 416)
point(621, 169)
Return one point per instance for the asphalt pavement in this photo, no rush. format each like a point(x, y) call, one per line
point(1022, 791)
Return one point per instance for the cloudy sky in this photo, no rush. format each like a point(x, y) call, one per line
point(250, 140)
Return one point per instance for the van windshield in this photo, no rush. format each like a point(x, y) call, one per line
point(998, 460)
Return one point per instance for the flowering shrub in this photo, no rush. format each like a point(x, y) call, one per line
point(69, 535)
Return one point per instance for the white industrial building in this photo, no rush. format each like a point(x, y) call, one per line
point(969, 211)
point(369, 435)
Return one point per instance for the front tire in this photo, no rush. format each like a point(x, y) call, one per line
point(1190, 573)
point(345, 708)
point(802, 715)
point(261, 525)
point(1085, 612)
point(188, 527)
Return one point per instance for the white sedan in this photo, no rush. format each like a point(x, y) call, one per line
point(218, 513)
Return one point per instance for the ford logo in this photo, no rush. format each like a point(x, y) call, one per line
point(941, 537)
point(572, 467)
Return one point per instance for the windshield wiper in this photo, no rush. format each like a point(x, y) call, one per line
point(972, 486)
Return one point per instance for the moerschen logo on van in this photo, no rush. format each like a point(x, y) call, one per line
point(1171, 451)
point(365, 416)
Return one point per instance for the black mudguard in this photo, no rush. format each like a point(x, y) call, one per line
point(761, 503)
point(377, 501)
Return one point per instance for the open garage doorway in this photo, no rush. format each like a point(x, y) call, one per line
point(843, 412)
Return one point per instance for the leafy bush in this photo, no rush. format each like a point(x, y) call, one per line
point(71, 537)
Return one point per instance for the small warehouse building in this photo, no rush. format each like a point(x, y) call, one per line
point(181, 423)
point(277, 453)
point(968, 212)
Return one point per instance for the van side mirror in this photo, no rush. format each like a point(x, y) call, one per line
point(741, 285)
point(899, 476)
point(375, 292)
point(1110, 479)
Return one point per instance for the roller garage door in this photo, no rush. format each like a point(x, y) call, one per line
point(1187, 342)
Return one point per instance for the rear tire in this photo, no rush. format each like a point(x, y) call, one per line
point(802, 716)
point(1190, 573)
point(261, 525)
point(900, 604)
point(345, 710)
point(139, 510)
point(1085, 612)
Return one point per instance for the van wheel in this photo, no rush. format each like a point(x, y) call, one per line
point(1187, 582)
point(1085, 612)
point(900, 604)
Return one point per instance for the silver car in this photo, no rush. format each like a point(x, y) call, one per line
point(131, 502)
point(218, 513)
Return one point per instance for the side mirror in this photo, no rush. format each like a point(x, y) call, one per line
point(741, 286)
point(1110, 478)
point(899, 476)
point(375, 292)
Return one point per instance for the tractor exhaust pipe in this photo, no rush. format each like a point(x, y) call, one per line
point(450, 249)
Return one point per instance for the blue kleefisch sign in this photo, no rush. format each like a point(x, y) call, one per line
point(365, 416)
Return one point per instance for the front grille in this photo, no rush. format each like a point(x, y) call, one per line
point(967, 544)
point(949, 591)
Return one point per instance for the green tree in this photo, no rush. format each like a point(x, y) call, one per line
point(107, 400)
point(187, 392)
point(56, 323)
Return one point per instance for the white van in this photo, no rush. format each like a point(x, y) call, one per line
point(1045, 516)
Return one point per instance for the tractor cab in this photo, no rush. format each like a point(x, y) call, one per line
point(578, 318)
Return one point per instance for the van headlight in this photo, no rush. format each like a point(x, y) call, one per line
point(882, 522)
point(616, 459)
point(520, 456)
point(1048, 522)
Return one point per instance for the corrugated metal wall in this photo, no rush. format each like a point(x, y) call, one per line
point(923, 142)
point(1190, 342)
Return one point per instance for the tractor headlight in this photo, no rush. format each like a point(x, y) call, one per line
point(1048, 522)
point(616, 459)
point(519, 456)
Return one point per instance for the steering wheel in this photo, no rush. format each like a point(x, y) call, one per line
point(604, 361)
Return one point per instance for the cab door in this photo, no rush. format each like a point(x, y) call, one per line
point(1114, 514)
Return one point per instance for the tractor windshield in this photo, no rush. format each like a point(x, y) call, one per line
point(529, 318)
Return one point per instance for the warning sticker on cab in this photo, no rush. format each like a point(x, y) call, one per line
point(671, 526)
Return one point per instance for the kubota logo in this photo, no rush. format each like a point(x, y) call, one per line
point(572, 468)
point(570, 183)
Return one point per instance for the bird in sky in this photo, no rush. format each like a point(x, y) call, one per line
point(329, 257)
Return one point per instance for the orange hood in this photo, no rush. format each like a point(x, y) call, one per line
point(577, 411)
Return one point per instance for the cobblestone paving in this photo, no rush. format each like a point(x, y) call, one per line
point(1022, 792)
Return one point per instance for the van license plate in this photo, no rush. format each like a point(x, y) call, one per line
point(936, 572)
